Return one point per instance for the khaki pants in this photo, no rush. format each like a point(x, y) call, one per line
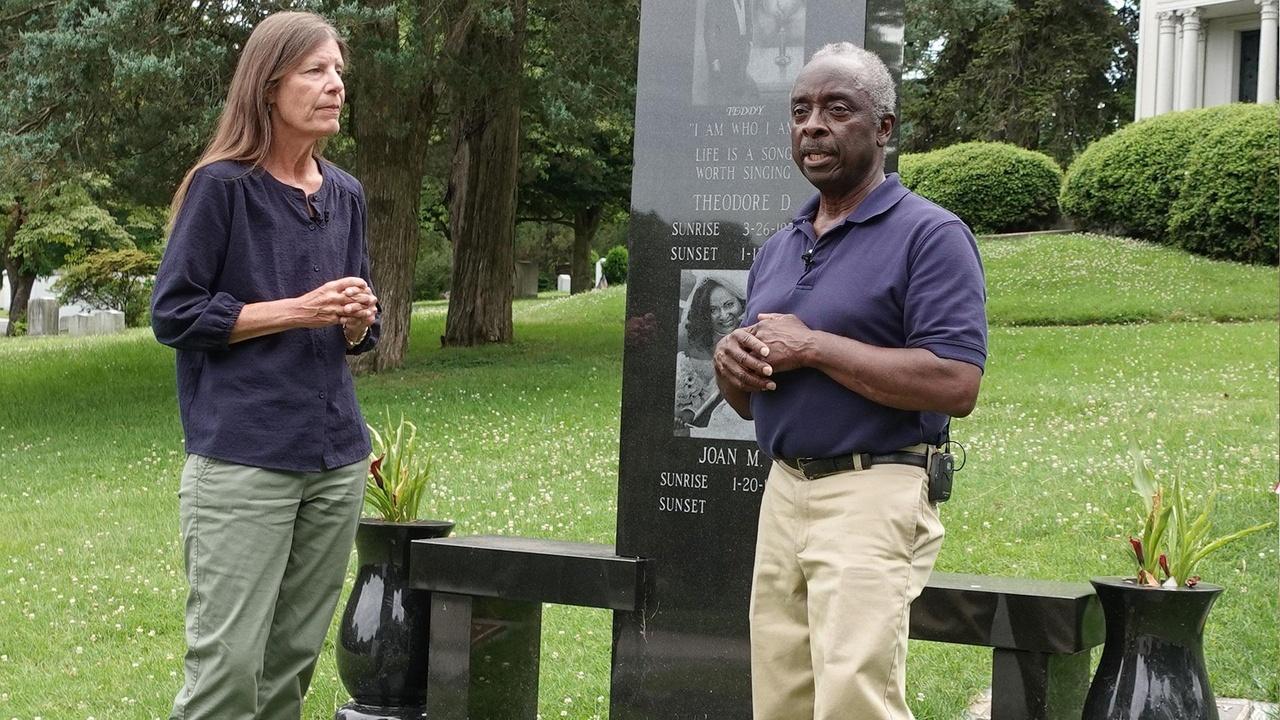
point(838, 562)
point(266, 552)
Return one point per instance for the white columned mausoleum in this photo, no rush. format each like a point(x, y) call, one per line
point(1202, 53)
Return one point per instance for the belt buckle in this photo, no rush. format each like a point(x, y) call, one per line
point(800, 463)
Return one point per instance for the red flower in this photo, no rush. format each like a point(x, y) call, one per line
point(375, 469)
point(1137, 550)
point(1164, 565)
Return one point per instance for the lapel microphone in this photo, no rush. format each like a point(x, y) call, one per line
point(807, 256)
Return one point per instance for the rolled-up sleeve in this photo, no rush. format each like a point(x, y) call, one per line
point(187, 311)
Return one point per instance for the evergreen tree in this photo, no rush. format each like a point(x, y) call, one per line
point(578, 120)
point(1048, 75)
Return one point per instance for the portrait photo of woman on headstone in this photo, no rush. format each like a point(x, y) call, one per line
point(711, 306)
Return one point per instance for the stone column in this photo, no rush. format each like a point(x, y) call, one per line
point(1177, 64)
point(1267, 50)
point(1164, 61)
point(1188, 74)
point(1201, 64)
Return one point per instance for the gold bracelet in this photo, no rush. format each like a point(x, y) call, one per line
point(357, 341)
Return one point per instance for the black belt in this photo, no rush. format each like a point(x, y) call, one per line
point(814, 468)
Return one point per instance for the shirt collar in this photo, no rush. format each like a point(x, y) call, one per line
point(886, 195)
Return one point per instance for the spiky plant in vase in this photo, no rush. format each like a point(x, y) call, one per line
point(1152, 664)
point(383, 638)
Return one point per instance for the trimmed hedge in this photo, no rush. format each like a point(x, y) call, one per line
point(1126, 182)
point(994, 187)
point(1230, 196)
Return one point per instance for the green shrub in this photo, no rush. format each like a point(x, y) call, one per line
point(615, 265)
point(1227, 205)
point(113, 279)
point(1126, 182)
point(432, 273)
point(994, 187)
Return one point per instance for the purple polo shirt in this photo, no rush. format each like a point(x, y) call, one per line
point(898, 272)
point(283, 401)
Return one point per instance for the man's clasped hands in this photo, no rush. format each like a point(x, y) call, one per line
point(749, 357)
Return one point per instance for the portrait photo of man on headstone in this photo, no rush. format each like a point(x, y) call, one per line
point(746, 48)
point(711, 306)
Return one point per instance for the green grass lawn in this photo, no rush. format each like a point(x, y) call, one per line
point(525, 441)
point(1081, 279)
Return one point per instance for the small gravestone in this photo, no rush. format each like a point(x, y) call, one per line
point(42, 316)
point(4, 326)
point(713, 179)
point(563, 283)
point(106, 322)
point(526, 279)
point(80, 324)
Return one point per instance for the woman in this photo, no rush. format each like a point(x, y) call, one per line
point(714, 310)
point(263, 291)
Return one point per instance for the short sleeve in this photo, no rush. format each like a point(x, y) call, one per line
point(945, 306)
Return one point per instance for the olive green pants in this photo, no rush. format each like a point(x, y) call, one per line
point(838, 562)
point(266, 552)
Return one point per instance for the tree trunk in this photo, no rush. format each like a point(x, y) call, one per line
point(20, 284)
point(391, 126)
point(482, 183)
point(20, 287)
point(586, 221)
point(391, 169)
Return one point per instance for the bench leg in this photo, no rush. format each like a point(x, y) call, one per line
point(1038, 686)
point(484, 658)
point(449, 659)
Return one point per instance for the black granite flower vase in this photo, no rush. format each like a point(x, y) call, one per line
point(382, 641)
point(1152, 664)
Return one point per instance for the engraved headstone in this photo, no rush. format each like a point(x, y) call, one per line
point(42, 316)
point(713, 180)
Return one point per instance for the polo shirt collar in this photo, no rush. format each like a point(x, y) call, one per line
point(885, 196)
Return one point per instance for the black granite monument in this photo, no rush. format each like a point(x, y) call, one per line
point(713, 180)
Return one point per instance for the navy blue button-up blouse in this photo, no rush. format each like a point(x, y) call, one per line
point(283, 401)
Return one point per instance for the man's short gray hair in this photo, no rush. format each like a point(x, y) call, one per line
point(874, 76)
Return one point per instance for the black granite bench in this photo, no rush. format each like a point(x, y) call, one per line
point(488, 591)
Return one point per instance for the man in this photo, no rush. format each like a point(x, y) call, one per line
point(868, 331)
point(726, 38)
